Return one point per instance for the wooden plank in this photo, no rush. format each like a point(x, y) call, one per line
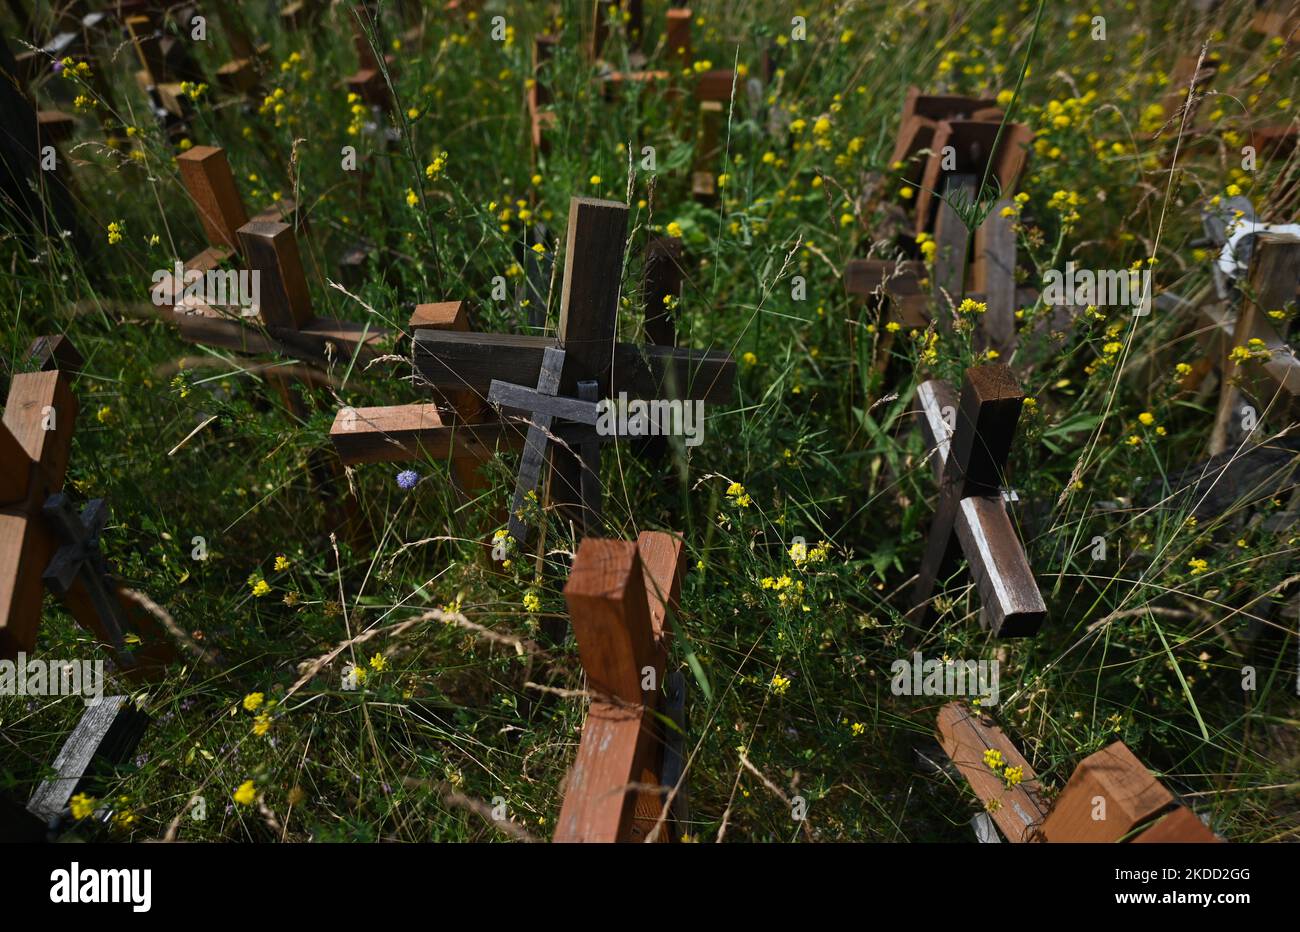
point(1017, 810)
point(708, 151)
point(867, 277)
point(272, 250)
point(994, 276)
point(663, 562)
point(41, 414)
point(678, 30)
point(106, 735)
point(522, 398)
point(661, 278)
point(55, 352)
point(986, 415)
point(1274, 271)
point(15, 468)
point(593, 275)
point(448, 360)
point(206, 175)
point(936, 406)
point(609, 611)
point(1178, 827)
point(716, 86)
point(403, 433)
point(26, 546)
point(535, 447)
point(1010, 603)
point(953, 241)
point(1110, 795)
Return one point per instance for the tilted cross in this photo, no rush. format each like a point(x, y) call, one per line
point(1137, 807)
point(969, 441)
point(42, 539)
point(628, 764)
point(588, 317)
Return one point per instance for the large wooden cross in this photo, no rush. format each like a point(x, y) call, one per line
point(43, 541)
point(588, 319)
point(968, 442)
point(629, 763)
point(1110, 797)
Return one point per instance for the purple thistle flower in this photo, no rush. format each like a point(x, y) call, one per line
point(58, 67)
point(407, 478)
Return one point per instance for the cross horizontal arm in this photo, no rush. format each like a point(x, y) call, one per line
point(522, 398)
point(1010, 603)
point(472, 361)
point(310, 343)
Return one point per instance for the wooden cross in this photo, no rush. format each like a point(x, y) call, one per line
point(105, 736)
point(960, 131)
point(1270, 371)
point(164, 65)
point(42, 539)
point(284, 323)
point(968, 442)
point(619, 595)
point(588, 316)
point(1110, 797)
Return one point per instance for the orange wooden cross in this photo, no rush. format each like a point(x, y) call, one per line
point(1110, 797)
point(619, 595)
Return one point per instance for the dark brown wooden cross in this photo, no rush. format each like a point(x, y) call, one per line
point(1133, 805)
point(628, 763)
point(968, 442)
point(588, 317)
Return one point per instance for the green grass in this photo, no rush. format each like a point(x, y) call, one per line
point(1136, 647)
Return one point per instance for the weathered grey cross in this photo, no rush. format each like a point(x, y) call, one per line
point(503, 367)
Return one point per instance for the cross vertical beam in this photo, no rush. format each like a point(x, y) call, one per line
point(970, 440)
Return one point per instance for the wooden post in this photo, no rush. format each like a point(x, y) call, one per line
point(618, 596)
point(211, 185)
point(970, 517)
point(662, 282)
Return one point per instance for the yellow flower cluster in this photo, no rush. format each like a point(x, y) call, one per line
point(779, 684)
point(739, 497)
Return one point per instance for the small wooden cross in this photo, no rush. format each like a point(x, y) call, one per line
point(105, 736)
point(1110, 797)
point(968, 442)
point(619, 595)
point(588, 317)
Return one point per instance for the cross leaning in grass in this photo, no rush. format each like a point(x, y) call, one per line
point(44, 542)
point(1110, 797)
point(969, 441)
point(284, 321)
point(521, 371)
point(629, 767)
